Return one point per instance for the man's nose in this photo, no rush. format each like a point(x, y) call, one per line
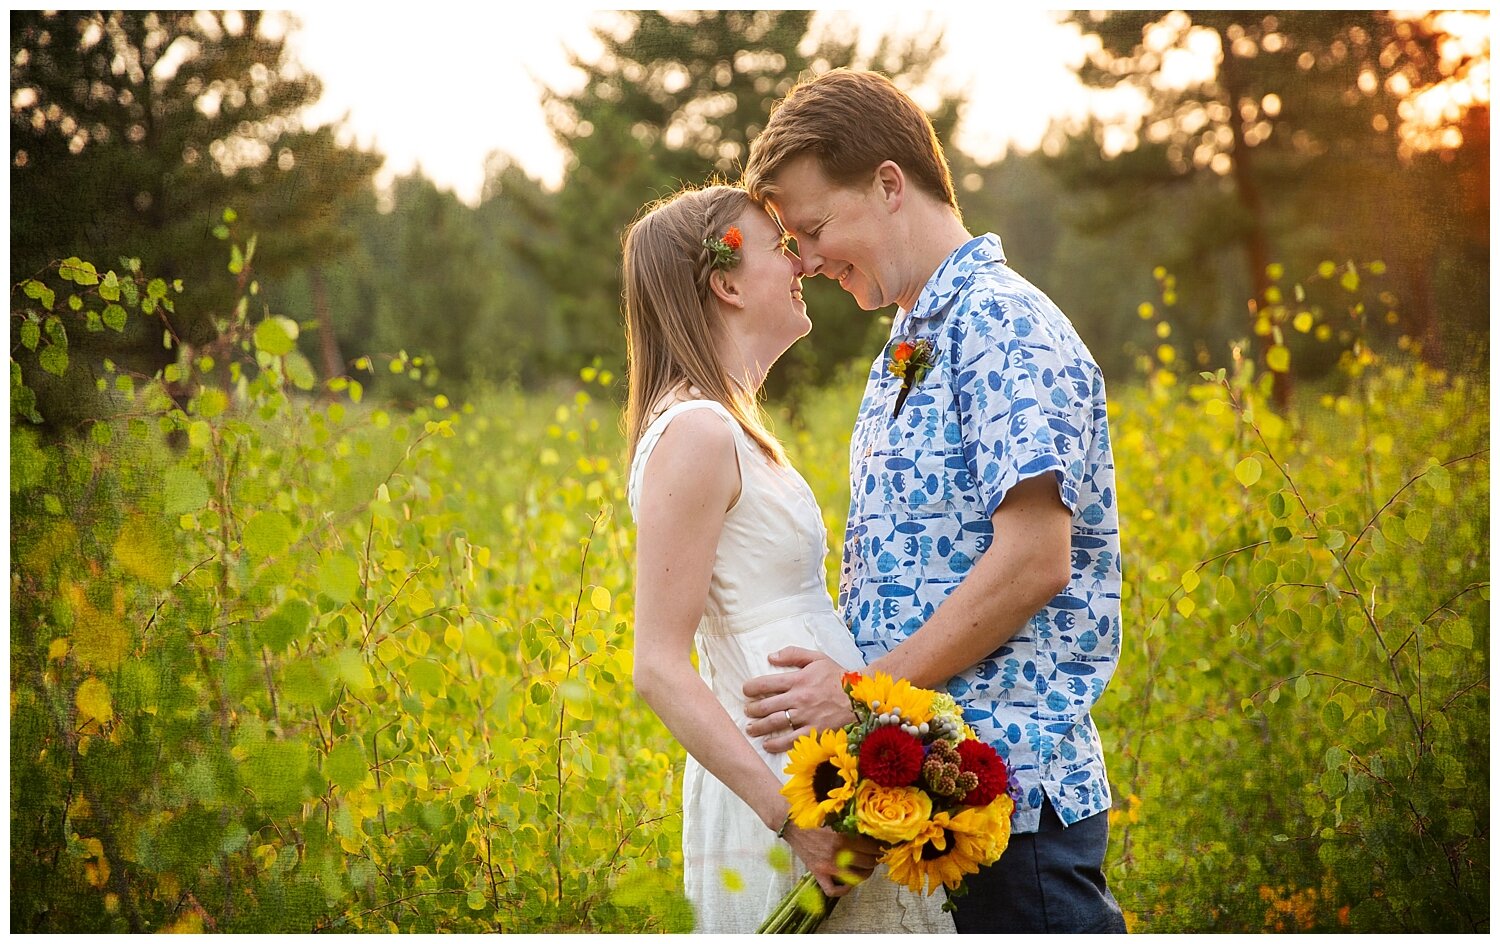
point(811, 262)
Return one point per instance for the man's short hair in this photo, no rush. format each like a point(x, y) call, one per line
point(851, 122)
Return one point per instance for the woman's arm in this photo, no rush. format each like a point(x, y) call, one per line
point(691, 480)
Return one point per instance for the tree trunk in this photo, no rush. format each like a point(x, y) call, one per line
point(328, 343)
point(1256, 243)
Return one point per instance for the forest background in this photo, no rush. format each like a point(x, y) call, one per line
point(214, 308)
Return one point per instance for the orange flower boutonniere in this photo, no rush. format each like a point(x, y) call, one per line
point(910, 360)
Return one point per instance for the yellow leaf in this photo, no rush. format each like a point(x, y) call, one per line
point(1186, 606)
point(99, 639)
point(141, 551)
point(453, 638)
point(599, 599)
point(1248, 471)
point(57, 649)
point(95, 847)
point(1303, 322)
point(93, 702)
point(1279, 359)
point(1190, 581)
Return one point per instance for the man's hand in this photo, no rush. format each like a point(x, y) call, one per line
point(813, 696)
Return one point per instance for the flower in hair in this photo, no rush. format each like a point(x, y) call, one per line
point(724, 251)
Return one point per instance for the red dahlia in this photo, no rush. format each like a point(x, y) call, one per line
point(890, 757)
point(980, 759)
point(732, 238)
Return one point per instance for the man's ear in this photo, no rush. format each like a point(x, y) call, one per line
point(725, 288)
point(890, 185)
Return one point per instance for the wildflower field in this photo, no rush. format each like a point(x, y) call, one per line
point(286, 660)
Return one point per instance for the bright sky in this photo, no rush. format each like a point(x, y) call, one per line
point(474, 90)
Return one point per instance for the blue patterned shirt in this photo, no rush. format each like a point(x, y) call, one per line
point(1013, 393)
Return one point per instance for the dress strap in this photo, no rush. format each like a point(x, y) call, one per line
point(658, 426)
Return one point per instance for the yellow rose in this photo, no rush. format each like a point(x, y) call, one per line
point(891, 814)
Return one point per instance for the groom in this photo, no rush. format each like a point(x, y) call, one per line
point(982, 553)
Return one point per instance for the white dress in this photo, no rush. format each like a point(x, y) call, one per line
point(768, 591)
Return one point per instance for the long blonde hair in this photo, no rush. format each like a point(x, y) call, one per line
point(671, 320)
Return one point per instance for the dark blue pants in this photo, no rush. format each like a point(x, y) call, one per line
point(1049, 881)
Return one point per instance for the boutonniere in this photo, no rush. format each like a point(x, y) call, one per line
point(910, 360)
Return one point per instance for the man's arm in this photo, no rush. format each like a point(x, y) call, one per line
point(1028, 564)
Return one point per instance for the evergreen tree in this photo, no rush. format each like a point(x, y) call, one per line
point(1289, 150)
point(132, 131)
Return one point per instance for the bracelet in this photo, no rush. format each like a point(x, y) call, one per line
point(781, 833)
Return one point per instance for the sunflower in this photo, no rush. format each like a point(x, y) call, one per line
point(951, 846)
point(824, 775)
point(915, 703)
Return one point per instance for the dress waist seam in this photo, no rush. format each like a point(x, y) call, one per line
point(812, 602)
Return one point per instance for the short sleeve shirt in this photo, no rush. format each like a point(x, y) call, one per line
point(1012, 393)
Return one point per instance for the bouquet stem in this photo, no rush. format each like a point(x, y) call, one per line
point(801, 911)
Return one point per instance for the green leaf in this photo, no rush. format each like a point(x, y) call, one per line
point(268, 534)
point(1278, 504)
point(276, 775)
point(183, 490)
point(210, 402)
point(229, 215)
point(1457, 632)
point(54, 360)
point(200, 435)
point(345, 766)
point(31, 335)
point(276, 335)
point(109, 288)
point(1248, 471)
point(353, 671)
point(299, 371)
point(114, 317)
point(475, 899)
point(338, 578)
point(236, 260)
point(77, 271)
point(289, 622)
point(425, 676)
point(1418, 522)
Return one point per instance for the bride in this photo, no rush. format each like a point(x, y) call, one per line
point(729, 555)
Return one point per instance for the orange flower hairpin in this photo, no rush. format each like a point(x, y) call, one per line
point(724, 251)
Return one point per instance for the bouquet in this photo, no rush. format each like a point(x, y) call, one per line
point(908, 773)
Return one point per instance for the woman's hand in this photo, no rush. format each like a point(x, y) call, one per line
point(837, 861)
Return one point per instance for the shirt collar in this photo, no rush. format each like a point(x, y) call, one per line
point(946, 282)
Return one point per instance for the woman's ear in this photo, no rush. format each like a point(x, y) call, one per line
point(890, 185)
point(725, 288)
